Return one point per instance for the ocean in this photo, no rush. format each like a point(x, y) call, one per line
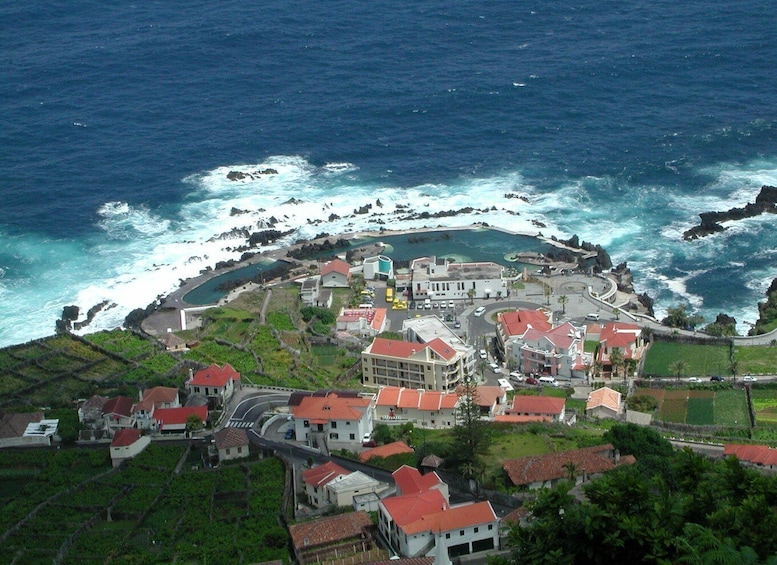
point(615, 121)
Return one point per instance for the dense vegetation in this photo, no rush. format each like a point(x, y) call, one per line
point(678, 508)
point(70, 505)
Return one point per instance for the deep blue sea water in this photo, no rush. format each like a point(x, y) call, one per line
point(617, 121)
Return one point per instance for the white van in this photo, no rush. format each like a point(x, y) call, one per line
point(592, 316)
point(548, 381)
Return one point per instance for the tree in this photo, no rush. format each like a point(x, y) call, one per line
point(471, 295)
point(616, 360)
point(631, 439)
point(548, 292)
point(563, 299)
point(617, 313)
point(678, 317)
point(472, 434)
point(678, 367)
point(194, 423)
point(733, 368)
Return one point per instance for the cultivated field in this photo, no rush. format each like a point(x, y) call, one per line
point(701, 407)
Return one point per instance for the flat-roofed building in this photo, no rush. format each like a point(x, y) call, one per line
point(437, 278)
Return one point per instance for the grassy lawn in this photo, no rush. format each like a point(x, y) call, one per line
point(590, 346)
point(701, 360)
point(700, 411)
point(730, 408)
point(760, 359)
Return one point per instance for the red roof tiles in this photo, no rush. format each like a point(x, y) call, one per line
point(336, 266)
point(407, 349)
point(230, 437)
point(516, 323)
point(409, 480)
point(450, 519)
point(536, 405)
point(123, 438)
point(323, 474)
point(387, 450)
point(120, 405)
point(549, 467)
point(215, 376)
point(178, 416)
point(324, 531)
point(330, 407)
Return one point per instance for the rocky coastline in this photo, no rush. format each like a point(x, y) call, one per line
point(711, 222)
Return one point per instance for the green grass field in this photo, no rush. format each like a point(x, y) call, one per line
point(701, 360)
point(764, 405)
point(760, 360)
point(701, 407)
point(730, 408)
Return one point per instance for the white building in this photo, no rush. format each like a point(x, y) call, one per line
point(378, 267)
point(439, 279)
point(339, 422)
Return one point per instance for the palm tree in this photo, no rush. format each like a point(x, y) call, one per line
point(616, 360)
point(563, 299)
point(678, 367)
point(471, 295)
point(733, 366)
point(548, 292)
point(617, 313)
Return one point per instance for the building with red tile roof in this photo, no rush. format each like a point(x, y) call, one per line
point(340, 422)
point(336, 273)
point(626, 338)
point(420, 520)
point(393, 448)
point(117, 413)
point(490, 399)
point(216, 383)
point(544, 407)
point(327, 538)
point(760, 456)
point(604, 403)
point(362, 321)
point(528, 340)
point(150, 400)
point(436, 365)
point(126, 444)
point(317, 478)
point(231, 443)
point(173, 420)
point(91, 411)
point(424, 408)
point(547, 470)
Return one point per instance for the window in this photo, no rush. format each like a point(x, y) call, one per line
point(348, 423)
point(461, 532)
point(476, 529)
point(334, 425)
point(490, 526)
point(240, 450)
point(448, 535)
point(227, 451)
point(306, 423)
point(352, 436)
point(334, 436)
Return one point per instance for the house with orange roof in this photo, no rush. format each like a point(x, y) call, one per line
point(216, 383)
point(440, 279)
point(362, 321)
point(604, 403)
point(316, 479)
point(435, 365)
point(337, 422)
point(331, 537)
point(529, 342)
point(150, 400)
point(626, 338)
point(758, 456)
point(490, 399)
point(420, 521)
point(174, 420)
point(541, 408)
point(538, 471)
point(424, 408)
point(126, 444)
point(336, 273)
point(393, 448)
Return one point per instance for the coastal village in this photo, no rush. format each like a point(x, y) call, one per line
point(440, 347)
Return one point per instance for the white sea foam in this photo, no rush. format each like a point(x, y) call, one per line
point(146, 253)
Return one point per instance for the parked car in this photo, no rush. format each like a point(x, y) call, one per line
point(480, 310)
point(717, 378)
point(289, 434)
point(483, 354)
point(547, 381)
point(749, 379)
point(592, 316)
point(451, 304)
point(457, 324)
point(495, 367)
point(694, 380)
point(515, 375)
point(412, 305)
point(532, 381)
point(443, 304)
point(369, 443)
